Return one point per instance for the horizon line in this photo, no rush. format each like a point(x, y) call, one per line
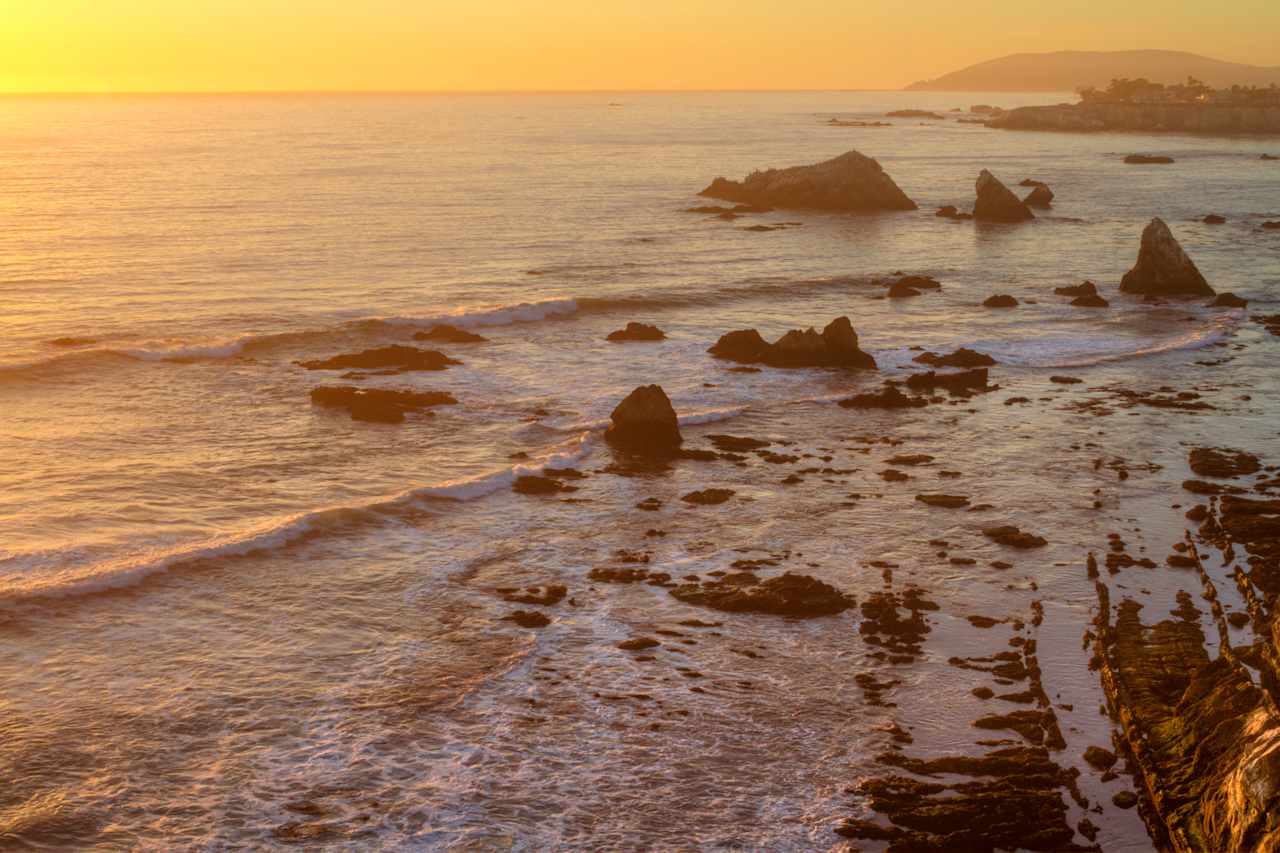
point(618, 91)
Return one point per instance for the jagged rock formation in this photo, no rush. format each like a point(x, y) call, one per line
point(1205, 738)
point(997, 203)
point(851, 181)
point(836, 346)
point(1163, 268)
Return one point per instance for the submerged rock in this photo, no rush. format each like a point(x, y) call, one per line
point(645, 421)
point(1090, 300)
point(1214, 219)
point(919, 282)
point(708, 497)
point(786, 595)
point(378, 405)
point(948, 501)
point(535, 485)
point(637, 332)
point(997, 203)
point(1014, 537)
point(889, 398)
point(399, 357)
point(1088, 288)
point(1147, 159)
point(962, 382)
point(1222, 462)
point(1163, 268)
point(1229, 300)
point(835, 346)
point(901, 290)
point(962, 357)
point(449, 334)
point(851, 181)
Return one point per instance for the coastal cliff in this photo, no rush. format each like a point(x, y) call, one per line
point(1182, 118)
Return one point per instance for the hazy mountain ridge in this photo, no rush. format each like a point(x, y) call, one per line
point(1067, 70)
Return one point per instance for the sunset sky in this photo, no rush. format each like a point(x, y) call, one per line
point(243, 45)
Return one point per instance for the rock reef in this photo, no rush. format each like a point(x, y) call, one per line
point(850, 182)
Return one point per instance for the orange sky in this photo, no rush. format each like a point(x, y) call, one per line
point(249, 45)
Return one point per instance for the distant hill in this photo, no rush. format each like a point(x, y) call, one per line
point(1067, 70)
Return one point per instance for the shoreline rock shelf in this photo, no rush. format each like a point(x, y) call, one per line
point(850, 182)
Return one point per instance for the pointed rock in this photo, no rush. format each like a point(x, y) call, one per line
point(1163, 269)
point(645, 421)
point(997, 203)
point(851, 181)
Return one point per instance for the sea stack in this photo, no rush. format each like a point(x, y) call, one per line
point(1163, 268)
point(645, 421)
point(851, 181)
point(997, 203)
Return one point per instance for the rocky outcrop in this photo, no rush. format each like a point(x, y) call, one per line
point(786, 595)
point(1041, 196)
point(997, 203)
point(1000, 300)
point(397, 358)
point(378, 405)
point(645, 421)
point(1148, 160)
point(851, 181)
point(1214, 219)
point(637, 332)
point(1163, 268)
point(835, 346)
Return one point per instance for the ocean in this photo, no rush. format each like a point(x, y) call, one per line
point(234, 620)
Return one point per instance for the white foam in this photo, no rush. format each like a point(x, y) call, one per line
point(502, 315)
point(1087, 352)
point(478, 487)
point(190, 353)
point(274, 534)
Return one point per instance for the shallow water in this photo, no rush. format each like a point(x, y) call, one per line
point(225, 611)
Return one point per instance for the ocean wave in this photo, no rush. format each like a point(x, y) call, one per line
point(1087, 352)
point(272, 535)
point(503, 315)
